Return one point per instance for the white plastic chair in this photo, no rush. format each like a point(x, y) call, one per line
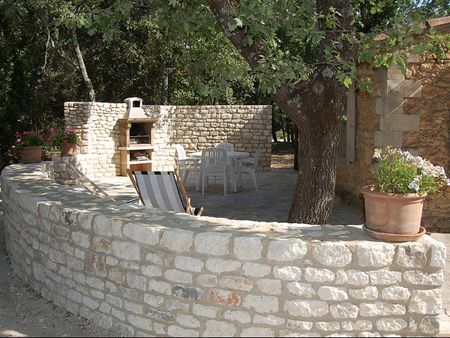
point(225, 145)
point(214, 163)
point(185, 163)
point(249, 165)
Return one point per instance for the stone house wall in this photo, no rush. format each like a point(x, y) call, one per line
point(145, 272)
point(410, 112)
point(196, 127)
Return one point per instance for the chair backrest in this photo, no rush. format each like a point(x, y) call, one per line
point(213, 160)
point(181, 153)
point(158, 189)
point(225, 145)
point(257, 156)
point(93, 188)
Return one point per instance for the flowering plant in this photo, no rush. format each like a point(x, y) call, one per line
point(398, 171)
point(57, 137)
point(29, 139)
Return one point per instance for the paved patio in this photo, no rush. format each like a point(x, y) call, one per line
point(271, 203)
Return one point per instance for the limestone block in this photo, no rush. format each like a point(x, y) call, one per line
point(242, 317)
point(257, 332)
point(95, 282)
point(301, 289)
point(412, 255)
point(178, 276)
point(188, 263)
point(135, 308)
point(177, 240)
point(211, 243)
point(367, 293)
point(332, 254)
point(136, 281)
point(126, 250)
point(289, 273)
point(204, 311)
point(306, 308)
point(160, 287)
point(107, 227)
point(187, 321)
point(224, 297)
point(359, 325)
point(218, 265)
point(328, 326)
point(375, 254)
point(391, 324)
point(256, 270)
point(395, 293)
point(140, 322)
point(332, 293)
point(286, 249)
point(247, 248)
point(113, 300)
point(268, 320)
point(269, 286)
point(344, 311)
point(207, 280)
point(417, 277)
point(81, 239)
point(381, 309)
point(142, 233)
point(236, 282)
point(384, 277)
point(177, 305)
point(181, 291)
point(151, 271)
point(428, 302)
point(319, 275)
point(153, 300)
point(299, 325)
point(89, 302)
point(429, 325)
point(261, 304)
point(438, 254)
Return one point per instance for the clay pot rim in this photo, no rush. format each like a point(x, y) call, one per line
point(369, 190)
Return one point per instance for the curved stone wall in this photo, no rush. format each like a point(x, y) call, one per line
point(142, 271)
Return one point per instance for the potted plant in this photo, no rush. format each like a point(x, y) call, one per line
point(394, 205)
point(65, 139)
point(29, 146)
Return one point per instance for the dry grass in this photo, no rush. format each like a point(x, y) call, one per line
point(282, 156)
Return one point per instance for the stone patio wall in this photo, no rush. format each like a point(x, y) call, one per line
point(196, 127)
point(147, 272)
point(407, 111)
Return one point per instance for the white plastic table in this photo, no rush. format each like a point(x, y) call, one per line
point(231, 155)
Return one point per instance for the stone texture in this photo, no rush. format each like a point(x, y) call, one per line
point(332, 254)
point(286, 250)
point(181, 284)
point(375, 255)
point(247, 248)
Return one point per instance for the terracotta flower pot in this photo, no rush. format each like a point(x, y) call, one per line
point(392, 213)
point(68, 149)
point(31, 154)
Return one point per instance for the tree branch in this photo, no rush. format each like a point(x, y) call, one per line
point(82, 66)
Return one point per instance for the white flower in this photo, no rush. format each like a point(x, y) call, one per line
point(377, 153)
point(413, 186)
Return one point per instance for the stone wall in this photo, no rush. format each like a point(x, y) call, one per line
point(196, 127)
point(410, 112)
point(142, 271)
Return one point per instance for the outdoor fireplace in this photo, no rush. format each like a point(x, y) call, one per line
point(136, 137)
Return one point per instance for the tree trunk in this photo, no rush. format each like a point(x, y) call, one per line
point(314, 106)
point(82, 66)
point(295, 146)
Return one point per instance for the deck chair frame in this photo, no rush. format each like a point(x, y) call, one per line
point(185, 200)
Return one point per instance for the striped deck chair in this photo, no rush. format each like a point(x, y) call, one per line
point(162, 190)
